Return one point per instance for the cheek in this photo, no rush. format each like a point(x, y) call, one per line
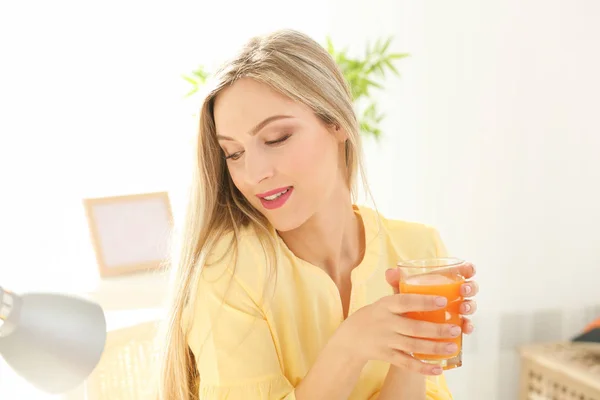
point(315, 160)
point(301, 163)
point(236, 175)
point(239, 181)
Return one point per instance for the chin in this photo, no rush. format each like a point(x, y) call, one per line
point(285, 219)
point(285, 225)
point(290, 216)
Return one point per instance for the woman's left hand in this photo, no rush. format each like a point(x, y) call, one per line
point(468, 290)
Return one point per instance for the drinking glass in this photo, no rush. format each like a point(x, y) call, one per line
point(440, 277)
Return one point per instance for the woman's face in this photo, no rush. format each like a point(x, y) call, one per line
point(280, 156)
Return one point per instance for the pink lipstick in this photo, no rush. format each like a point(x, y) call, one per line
point(275, 198)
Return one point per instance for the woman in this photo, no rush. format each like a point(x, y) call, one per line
point(284, 289)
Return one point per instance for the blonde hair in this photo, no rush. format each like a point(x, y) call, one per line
point(295, 65)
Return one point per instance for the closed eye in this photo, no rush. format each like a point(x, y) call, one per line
point(234, 156)
point(280, 140)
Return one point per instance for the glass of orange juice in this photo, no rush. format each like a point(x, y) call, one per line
point(440, 277)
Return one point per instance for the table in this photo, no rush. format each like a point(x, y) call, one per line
point(560, 371)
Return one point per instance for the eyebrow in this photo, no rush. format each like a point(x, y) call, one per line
point(261, 125)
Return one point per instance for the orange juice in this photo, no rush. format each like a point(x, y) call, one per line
point(437, 285)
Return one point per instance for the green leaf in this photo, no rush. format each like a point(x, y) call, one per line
point(191, 92)
point(397, 56)
point(190, 80)
point(330, 48)
point(386, 45)
point(391, 67)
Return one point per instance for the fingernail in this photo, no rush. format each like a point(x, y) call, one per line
point(451, 348)
point(455, 331)
point(466, 289)
point(471, 327)
point(466, 307)
point(441, 301)
point(437, 370)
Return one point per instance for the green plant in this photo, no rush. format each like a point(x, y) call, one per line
point(363, 74)
point(198, 77)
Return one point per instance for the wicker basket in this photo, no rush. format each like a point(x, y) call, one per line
point(560, 371)
point(124, 371)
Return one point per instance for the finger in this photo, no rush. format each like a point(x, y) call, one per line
point(464, 269)
point(468, 307)
point(424, 346)
point(408, 302)
point(408, 363)
point(467, 270)
point(468, 326)
point(469, 289)
point(424, 329)
point(392, 276)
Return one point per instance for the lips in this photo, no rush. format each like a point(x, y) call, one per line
point(276, 198)
point(273, 192)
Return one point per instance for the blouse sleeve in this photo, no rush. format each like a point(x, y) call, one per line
point(440, 247)
point(232, 344)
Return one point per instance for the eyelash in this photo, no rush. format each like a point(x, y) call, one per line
point(234, 156)
point(280, 140)
point(238, 154)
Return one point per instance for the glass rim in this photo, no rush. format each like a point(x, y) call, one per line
point(418, 263)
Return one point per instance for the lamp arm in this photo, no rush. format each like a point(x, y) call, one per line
point(9, 305)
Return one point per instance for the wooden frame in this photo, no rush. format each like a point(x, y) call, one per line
point(129, 233)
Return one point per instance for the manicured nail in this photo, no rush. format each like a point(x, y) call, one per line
point(455, 331)
point(437, 370)
point(451, 348)
point(466, 289)
point(466, 308)
point(441, 301)
point(471, 327)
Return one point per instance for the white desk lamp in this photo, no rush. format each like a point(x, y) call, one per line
point(54, 341)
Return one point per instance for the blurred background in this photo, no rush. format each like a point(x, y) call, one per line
point(491, 133)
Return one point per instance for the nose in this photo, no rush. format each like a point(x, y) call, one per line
point(258, 167)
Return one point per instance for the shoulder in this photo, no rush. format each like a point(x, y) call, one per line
point(230, 272)
point(412, 238)
point(242, 257)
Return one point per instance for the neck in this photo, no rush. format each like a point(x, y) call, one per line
point(332, 239)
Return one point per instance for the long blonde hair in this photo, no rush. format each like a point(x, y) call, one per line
point(295, 65)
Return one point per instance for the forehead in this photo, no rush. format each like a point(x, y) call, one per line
point(241, 106)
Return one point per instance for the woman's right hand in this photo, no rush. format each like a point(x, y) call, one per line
point(379, 331)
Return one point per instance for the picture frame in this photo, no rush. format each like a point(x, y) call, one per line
point(129, 233)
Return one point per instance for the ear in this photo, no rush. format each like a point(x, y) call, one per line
point(339, 133)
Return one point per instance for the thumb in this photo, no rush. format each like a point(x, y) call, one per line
point(392, 276)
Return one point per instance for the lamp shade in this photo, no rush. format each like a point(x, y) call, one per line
point(54, 341)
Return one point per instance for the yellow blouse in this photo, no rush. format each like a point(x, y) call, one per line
point(255, 333)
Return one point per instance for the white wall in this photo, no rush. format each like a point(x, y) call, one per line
point(495, 139)
point(512, 106)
